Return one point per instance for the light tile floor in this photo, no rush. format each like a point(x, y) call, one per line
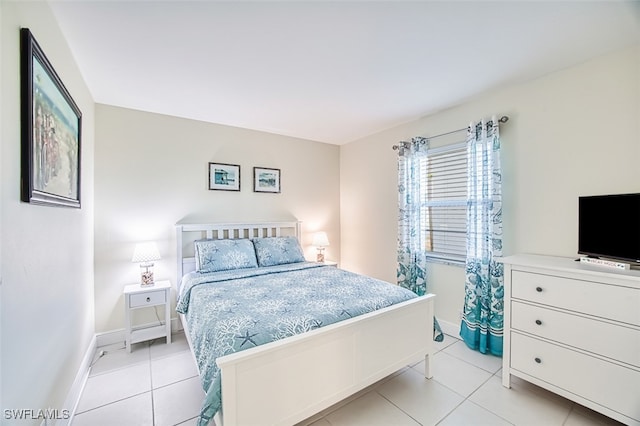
point(157, 385)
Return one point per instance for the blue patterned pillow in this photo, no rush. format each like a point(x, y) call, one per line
point(223, 255)
point(278, 250)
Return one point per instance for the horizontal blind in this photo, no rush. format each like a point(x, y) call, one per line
point(444, 203)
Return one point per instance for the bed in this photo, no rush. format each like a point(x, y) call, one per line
point(311, 349)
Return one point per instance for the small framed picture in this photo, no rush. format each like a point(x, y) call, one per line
point(224, 177)
point(266, 180)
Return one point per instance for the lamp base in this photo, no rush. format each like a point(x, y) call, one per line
point(320, 256)
point(146, 276)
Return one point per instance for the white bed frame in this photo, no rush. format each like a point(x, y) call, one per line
point(290, 380)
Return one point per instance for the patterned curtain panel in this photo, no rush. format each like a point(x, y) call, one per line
point(412, 262)
point(482, 318)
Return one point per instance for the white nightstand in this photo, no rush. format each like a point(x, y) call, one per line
point(137, 297)
point(330, 263)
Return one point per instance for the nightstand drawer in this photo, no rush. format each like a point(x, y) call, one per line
point(150, 298)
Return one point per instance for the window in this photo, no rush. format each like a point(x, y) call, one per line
point(444, 206)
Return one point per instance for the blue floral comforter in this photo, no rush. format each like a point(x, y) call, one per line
point(231, 311)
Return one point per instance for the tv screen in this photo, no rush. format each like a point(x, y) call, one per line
point(609, 226)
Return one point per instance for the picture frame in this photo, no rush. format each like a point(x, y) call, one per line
point(51, 131)
point(266, 180)
point(224, 177)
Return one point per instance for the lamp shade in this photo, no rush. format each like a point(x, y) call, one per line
point(320, 239)
point(145, 252)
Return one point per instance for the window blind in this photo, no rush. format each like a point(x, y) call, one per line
point(444, 203)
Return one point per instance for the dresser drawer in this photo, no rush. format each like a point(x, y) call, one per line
point(147, 299)
point(598, 299)
point(607, 384)
point(614, 341)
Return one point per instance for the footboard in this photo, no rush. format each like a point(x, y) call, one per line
point(287, 381)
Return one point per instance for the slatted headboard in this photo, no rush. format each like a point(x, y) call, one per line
point(186, 234)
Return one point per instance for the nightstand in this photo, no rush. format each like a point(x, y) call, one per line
point(330, 263)
point(138, 297)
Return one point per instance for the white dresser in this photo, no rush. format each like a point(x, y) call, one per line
point(574, 329)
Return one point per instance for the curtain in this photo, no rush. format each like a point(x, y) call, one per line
point(412, 261)
point(482, 317)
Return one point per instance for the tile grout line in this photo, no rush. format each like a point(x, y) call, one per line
point(392, 403)
point(486, 409)
point(409, 415)
point(573, 406)
point(146, 358)
point(465, 398)
point(470, 363)
point(111, 403)
point(116, 369)
point(451, 412)
point(173, 383)
point(133, 363)
point(409, 367)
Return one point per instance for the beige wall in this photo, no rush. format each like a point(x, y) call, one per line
point(152, 171)
point(47, 253)
point(570, 133)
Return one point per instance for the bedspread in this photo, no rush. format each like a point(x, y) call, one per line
point(230, 311)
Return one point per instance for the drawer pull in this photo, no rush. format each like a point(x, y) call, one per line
point(538, 360)
point(148, 299)
point(539, 289)
point(538, 322)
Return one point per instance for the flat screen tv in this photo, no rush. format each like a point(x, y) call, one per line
point(609, 226)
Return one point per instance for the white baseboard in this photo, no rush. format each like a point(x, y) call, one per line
point(117, 337)
point(73, 397)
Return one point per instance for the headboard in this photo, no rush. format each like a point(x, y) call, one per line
point(187, 233)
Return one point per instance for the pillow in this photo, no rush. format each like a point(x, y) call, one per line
point(223, 255)
point(272, 251)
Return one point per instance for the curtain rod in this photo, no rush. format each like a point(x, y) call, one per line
point(502, 119)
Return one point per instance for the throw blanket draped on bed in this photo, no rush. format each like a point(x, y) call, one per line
point(231, 311)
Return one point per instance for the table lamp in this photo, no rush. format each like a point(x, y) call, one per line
point(145, 254)
point(320, 241)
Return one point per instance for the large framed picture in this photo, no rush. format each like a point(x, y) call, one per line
point(50, 131)
point(266, 180)
point(224, 177)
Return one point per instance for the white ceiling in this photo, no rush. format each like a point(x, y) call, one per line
point(327, 71)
